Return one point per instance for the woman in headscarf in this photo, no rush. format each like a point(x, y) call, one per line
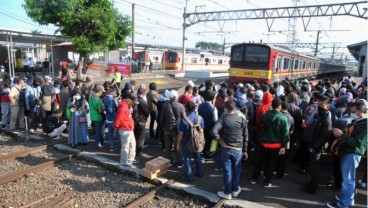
point(78, 126)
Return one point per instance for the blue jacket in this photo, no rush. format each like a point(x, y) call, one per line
point(206, 110)
point(111, 105)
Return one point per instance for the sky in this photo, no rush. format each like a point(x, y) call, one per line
point(159, 22)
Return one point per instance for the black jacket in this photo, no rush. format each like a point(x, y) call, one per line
point(170, 115)
point(322, 132)
point(141, 112)
point(51, 124)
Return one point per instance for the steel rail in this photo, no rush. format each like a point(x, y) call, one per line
point(150, 195)
point(34, 169)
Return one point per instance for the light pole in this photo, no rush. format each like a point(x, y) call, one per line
point(184, 38)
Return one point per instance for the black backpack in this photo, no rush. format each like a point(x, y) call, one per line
point(22, 97)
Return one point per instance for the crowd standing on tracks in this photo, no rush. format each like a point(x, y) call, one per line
point(206, 122)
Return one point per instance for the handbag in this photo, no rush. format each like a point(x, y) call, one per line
point(338, 146)
point(82, 119)
point(214, 145)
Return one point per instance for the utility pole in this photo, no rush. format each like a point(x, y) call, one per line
point(133, 31)
point(317, 43)
point(184, 38)
point(333, 53)
point(223, 47)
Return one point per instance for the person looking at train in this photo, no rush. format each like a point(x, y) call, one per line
point(209, 86)
point(273, 142)
point(187, 96)
point(266, 105)
point(234, 142)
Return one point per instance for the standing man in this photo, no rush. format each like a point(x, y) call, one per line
point(152, 98)
point(117, 79)
point(33, 93)
point(319, 136)
point(234, 145)
point(184, 135)
point(32, 65)
point(47, 98)
point(125, 125)
point(273, 142)
point(356, 145)
point(64, 68)
point(45, 67)
point(96, 112)
point(140, 119)
point(187, 96)
point(111, 104)
point(25, 65)
point(17, 105)
point(171, 114)
point(209, 114)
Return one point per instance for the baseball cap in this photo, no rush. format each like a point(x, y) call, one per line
point(128, 86)
point(47, 77)
point(224, 85)
point(343, 90)
point(173, 94)
point(100, 88)
point(259, 94)
point(190, 82)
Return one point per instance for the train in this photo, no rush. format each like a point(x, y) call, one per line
point(250, 62)
point(196, 61)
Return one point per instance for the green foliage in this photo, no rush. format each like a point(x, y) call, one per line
point(92, 25)
point(208, 45)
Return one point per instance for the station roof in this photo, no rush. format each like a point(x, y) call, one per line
point(356, 48)
point(27, 37)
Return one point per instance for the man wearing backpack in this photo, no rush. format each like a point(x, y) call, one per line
point(17, 103)
point(33, 92)
point(234, 144)
point(169, 120)
point(191, 122)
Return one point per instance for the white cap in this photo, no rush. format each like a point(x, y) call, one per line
point(343, 90)
point(259, 94)
point(48, 77)
point(190, 82)
point(280, 91)
point(173, 94)
point(240, 85)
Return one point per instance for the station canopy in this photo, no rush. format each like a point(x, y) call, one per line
point(27, 37)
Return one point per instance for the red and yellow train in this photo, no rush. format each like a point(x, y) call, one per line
point(251, 62)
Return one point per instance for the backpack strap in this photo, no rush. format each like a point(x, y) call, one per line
point(189, 121)
point(198, 120)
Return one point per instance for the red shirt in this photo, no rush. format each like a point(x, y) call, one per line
point(124, 117)
point(4, 98)
point(184, 99)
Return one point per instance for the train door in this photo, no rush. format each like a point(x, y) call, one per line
point(277, 68)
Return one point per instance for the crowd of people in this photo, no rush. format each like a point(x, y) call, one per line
point(264, 121)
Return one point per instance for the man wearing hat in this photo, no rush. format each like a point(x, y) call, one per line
point(96, 113)
point(169, 120)
point(48, 96)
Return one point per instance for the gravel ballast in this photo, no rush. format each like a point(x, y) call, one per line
point(91, 186)
point(9, 145)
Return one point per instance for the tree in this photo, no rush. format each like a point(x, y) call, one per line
point(36, 32)
point(208, 45)
point(92, 25)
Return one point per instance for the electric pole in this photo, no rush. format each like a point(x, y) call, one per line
point(184, 38)
point(317, 43)
point(133, 31)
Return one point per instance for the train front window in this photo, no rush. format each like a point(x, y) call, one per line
point(172, 57)
point(257, 57)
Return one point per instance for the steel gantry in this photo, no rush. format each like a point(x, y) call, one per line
point(355, 9)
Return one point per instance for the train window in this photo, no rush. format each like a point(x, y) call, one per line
point(172, 57)
point(225, 61)
point(296, 63)
point(257, 56)
point(279, 63)
point(237, 54)
point(303, 67)
point(286, 64)
point(213, 60)
point(194, 60)
point(219, 61)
